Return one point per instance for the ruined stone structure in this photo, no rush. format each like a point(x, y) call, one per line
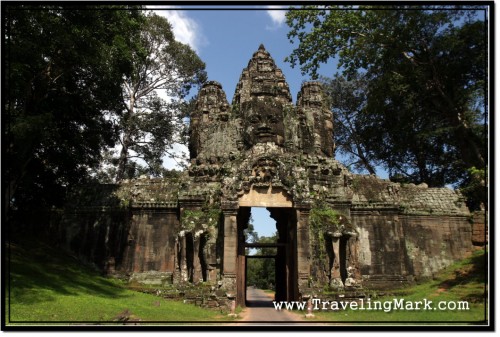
point(334, 227)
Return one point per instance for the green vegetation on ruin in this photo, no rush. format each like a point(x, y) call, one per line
point(208, 216)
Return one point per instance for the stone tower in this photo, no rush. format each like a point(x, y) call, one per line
point(261, 113)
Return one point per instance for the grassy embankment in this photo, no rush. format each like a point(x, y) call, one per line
point(462, 281)
point(47, 286)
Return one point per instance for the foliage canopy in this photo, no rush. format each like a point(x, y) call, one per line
point(423, 114)
point(63, 69)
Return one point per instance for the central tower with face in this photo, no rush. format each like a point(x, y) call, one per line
point(262, 94)
point(261, 119)
point(262, 122)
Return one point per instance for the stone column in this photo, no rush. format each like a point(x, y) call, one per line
point(353, 273)
point(183, 257)
point(336, 281)
point(197, 273)
point(240, 267)
point(229, 261)
point(303, 248)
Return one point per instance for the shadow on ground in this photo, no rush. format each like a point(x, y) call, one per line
point(259, 304)
point(36, 271)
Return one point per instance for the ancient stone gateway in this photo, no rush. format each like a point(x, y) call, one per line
point(334, 228)
point(287, 265)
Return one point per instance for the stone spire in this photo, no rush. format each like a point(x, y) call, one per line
point(211, 112)
point(260, 99)
point(261, 113)
point(316, 131)
point(262, 78)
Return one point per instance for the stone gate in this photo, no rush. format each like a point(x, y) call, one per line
point(264, 151)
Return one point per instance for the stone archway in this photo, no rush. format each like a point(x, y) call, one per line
point(285, 257)
point(292, 267)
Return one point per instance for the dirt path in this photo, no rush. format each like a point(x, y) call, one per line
point(260, 308)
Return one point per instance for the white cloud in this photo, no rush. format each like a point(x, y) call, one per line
point(277, 15)
point(186, 29)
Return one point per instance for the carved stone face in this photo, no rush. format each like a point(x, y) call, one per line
point(262, 123)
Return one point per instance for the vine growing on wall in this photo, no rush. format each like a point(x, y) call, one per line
point(322, 219)
point(207, 216)
point(325, 222)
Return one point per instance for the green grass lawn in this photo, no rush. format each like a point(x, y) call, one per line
point(463, 281)
point(47, 286)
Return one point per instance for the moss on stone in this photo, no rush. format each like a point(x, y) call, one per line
point(195, 218)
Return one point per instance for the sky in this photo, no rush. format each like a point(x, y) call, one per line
point(226, 40)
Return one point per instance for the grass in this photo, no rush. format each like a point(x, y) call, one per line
point(47, 286)
point(463, 281)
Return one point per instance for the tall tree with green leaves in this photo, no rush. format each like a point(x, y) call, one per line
point(426, 67)
point(150, 124)
point(347, 98)
point(64, 66)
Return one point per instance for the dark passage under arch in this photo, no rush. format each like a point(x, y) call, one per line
point(285, 258)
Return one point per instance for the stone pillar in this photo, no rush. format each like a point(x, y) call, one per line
point(183, 257)
point(303, 248)
point(197, 272)
point(353, 279)
point(230, 259)
point(282, 259)
point(336, 281)
point(241, 269)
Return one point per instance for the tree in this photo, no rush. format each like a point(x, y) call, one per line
point(63, 69)
point(347, 102)
point(150, 123)
point(426, 68)
point(261, 272)
point(250, 234)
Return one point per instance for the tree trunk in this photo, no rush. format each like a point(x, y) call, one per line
point(123, 160)
point(466, 140)
point(364, 160)
point(468, 147)
point(126, 142)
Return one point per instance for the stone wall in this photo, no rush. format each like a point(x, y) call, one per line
point(396, 248)
point(94, 234)
point(479, 229)
point(151, 241)
point(435, 242)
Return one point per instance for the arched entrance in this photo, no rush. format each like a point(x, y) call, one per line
point(284, 257)
point(292, 252)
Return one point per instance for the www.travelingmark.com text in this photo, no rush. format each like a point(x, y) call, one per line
point(368, 304)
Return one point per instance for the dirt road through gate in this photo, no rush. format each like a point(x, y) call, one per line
point(260, 308)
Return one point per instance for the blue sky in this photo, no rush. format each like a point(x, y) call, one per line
point(226, 39)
